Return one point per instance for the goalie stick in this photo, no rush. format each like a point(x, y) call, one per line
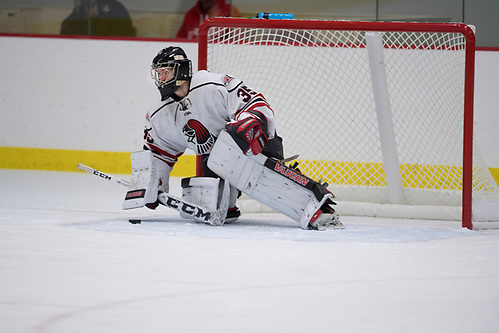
point(199, 213)
point(288, 159)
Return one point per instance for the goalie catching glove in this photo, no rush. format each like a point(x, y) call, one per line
point(249, 133)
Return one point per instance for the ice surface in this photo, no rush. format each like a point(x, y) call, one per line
point(71, 262)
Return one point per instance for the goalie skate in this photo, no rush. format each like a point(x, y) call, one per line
point(327, 221)
point(325, 218)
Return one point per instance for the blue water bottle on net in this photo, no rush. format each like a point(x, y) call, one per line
point(276, 16)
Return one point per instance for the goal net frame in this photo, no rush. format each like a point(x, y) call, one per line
point(375, 27)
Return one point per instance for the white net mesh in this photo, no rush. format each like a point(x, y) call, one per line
point(319, 84)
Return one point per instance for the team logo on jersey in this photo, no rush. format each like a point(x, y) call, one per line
point(184, 105)
point(199, 135)
point(227, 79)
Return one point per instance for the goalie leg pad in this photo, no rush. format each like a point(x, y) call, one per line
point(207, 192)
point(149, 176)
point(202, 191)
point(268, 181)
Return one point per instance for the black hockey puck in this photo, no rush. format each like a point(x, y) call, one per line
point(134, 221)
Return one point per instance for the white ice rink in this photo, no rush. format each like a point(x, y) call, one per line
point(71, 262)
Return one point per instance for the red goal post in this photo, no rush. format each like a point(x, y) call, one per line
point(364, 88)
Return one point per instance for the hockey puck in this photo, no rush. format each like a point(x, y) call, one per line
point(134, 221)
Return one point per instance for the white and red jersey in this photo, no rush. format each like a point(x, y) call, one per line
point(195, 121)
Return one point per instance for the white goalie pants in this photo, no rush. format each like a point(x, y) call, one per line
point(268, 181)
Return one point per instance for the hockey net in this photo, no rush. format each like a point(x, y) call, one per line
point(383, 112)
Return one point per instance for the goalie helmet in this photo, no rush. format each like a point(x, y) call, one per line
point(170, 68)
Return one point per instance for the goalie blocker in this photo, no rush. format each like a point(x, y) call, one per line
point(274, 184)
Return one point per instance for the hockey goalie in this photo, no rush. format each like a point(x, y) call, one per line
point(232, 127)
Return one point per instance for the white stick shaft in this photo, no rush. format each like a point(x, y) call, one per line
point(101, 174)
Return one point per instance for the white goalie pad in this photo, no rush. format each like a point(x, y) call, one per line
point(149, 176)
point(207, 192)
point(267, 181)
point(202, 191)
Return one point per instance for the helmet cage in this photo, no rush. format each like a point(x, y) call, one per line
point(158, 75)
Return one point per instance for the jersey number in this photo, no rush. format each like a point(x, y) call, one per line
point(147, 136)
point(245, 93)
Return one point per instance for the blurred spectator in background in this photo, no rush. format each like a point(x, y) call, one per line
point(98, 18)
point(77, 23)
point(203, 10)
point(113, 19)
